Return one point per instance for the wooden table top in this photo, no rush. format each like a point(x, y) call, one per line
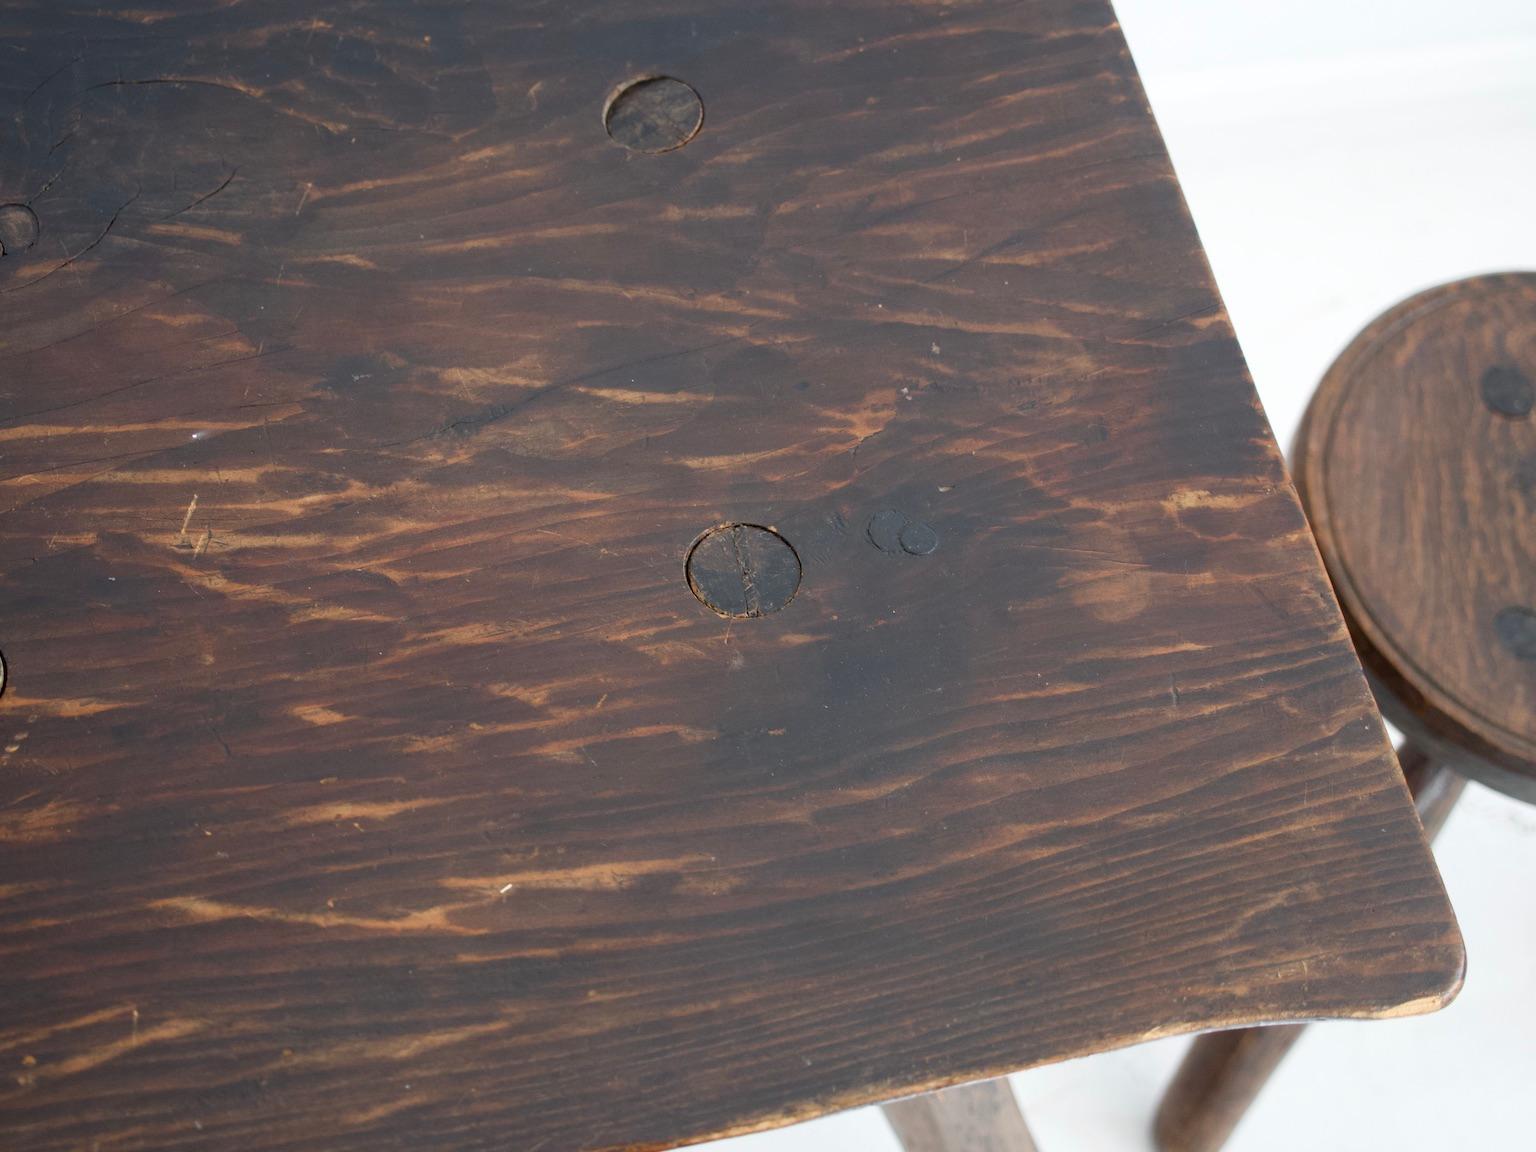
point(387, 392)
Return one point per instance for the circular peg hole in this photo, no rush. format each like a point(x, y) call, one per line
point(18, 229)
point(743, 571)
point(654, 114)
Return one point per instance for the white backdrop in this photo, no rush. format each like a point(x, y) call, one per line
point(1338, 155)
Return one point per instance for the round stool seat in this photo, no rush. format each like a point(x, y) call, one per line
point(1417, 466)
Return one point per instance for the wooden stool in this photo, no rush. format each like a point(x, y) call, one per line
point(591, 576)
point(1417, 467)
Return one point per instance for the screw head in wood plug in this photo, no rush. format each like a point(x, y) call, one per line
point(1508, 391)
point(891, 531)
point(1516, 629)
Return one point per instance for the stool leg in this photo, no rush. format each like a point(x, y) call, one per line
point(980, 1117)
point(1224, 1071)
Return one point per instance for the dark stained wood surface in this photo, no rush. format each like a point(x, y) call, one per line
point(1223, 1072)
point(1418, 460)
point(1418, 465)
point(373, 777)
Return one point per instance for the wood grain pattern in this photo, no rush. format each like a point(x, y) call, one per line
point(1223, 1072)
point(374, 780)
point(1417, 457)
point(1418, 461)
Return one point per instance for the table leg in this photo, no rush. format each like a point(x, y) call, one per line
point(1224, 1071)
point(981, 1117)
point(1435, 787)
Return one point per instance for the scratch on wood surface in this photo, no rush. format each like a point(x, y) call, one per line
point(356, 810)
point(318, 715)
point(138, 1038)
point(67, 709)
point(684, 732)
point(186, 520)
point(363, 1117)
point(205, 197)
point(43, 823)
point(434, 920)
point(69, 260)
point(395, 1048)
point(1186, 498)
point(608, 877)
point(33, 1036)
point(185, 231)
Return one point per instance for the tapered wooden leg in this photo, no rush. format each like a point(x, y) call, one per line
point(1435, 787)
point(1224, 1071)
point(980, 1117)
point(1219, 1078)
